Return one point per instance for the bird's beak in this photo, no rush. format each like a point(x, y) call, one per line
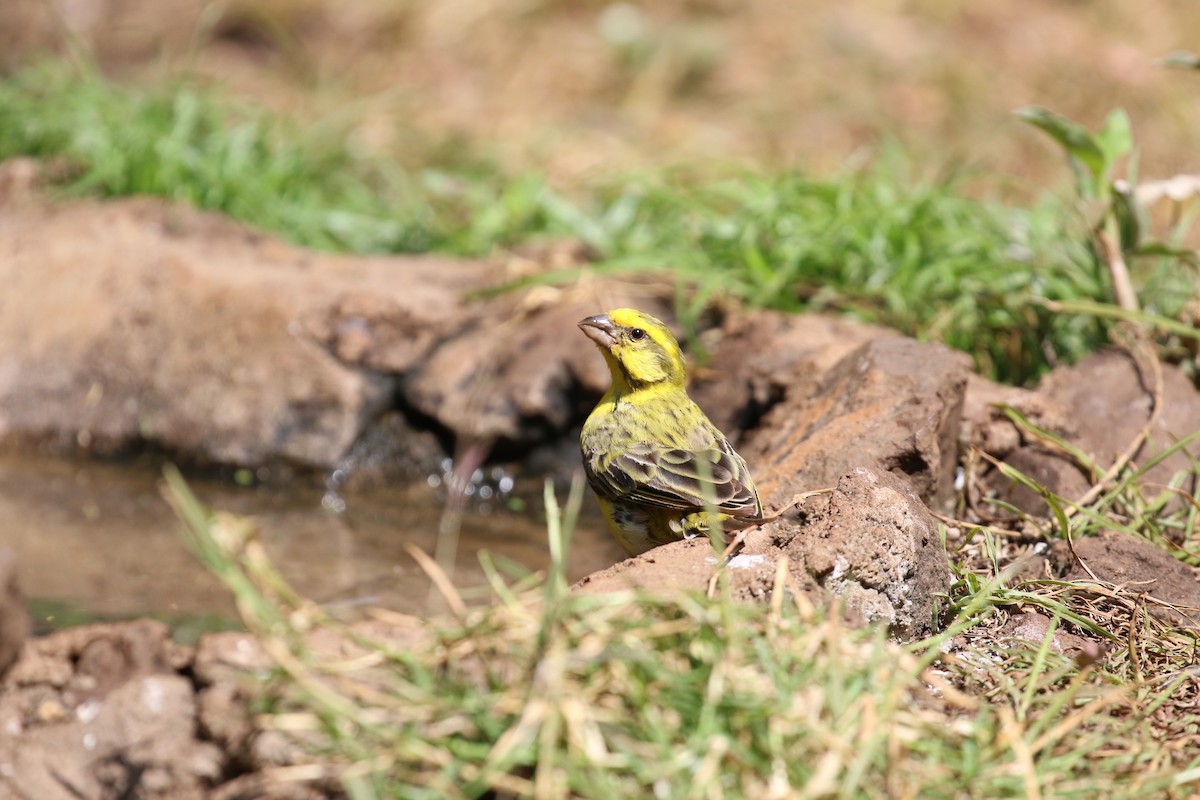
point(600, 329)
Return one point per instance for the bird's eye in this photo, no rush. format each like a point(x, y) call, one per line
point(637, 334)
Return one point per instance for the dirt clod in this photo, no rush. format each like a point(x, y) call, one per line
point(1099, 405)
point(876, 549)
point(123, 722)
point(759, 357)
point(1171, 590)
point(894, 405)
point(102, 712)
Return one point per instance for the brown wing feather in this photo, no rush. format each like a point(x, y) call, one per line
point(681, 479)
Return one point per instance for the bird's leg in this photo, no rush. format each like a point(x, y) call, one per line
point(735, 544)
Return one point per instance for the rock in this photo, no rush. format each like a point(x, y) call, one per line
point(262, 786)
point(893, 405)
point(146, 321)
point(1033, 627)
point(223, 717)
point(119, 723)
point(685, 565)
point(876, 548)
point(102, 712)
point(92, 658)
point(1046, 467)
point(224, 666)
point(522, 372)
point(986, 426)
point(14, 619)
point(1110, 400)
point(688, 565)
point(1098, 405)
point(138, 742)
point(294, 356)
point(228, 656)
point(1140, 567)
point(229, 666)
point(758, 357)
point(872, 547)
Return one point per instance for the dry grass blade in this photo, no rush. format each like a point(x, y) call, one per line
point(440, 579)
point(1013, 737)
point(963, 524)
point(1118, 271)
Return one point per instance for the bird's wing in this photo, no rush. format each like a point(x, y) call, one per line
point(682, 479)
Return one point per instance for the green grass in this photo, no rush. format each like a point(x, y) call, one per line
point(886, 246)
point(551, 694)
point(883, 243)
point(179, 141)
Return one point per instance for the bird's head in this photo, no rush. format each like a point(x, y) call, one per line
point(639, 348)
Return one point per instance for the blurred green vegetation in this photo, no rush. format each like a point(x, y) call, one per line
point(884, 242)
point(550, 693)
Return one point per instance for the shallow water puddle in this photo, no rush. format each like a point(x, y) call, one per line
point(98, 537)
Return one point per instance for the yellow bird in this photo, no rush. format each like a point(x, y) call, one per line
point(653, 458)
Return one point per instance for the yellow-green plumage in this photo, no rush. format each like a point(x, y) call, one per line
point(653, 458)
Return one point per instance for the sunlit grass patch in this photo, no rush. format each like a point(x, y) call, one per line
point(179, 140)
point(546, 693)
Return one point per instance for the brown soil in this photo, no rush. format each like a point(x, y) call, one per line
point(1166, 585)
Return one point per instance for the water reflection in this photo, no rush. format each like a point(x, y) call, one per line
point(99, 536)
